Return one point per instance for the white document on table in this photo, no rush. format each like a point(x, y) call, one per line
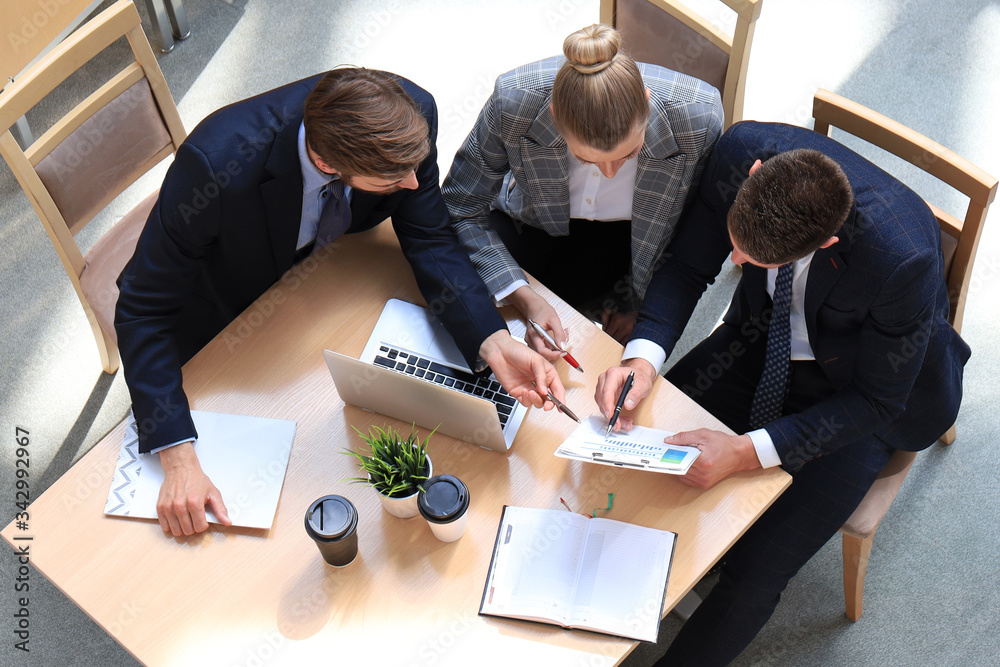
point(641, 448)
point(245, 457)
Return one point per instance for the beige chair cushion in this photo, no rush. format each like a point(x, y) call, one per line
point(876, 503)
point(106, 260)
point(654, 36)
point(104, 155)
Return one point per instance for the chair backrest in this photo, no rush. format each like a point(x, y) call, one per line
point(105, 143)
point(92, 154)
point(668, 33)
point(30, 27)
point(959, 238)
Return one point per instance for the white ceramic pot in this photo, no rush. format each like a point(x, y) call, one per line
point(406, 506)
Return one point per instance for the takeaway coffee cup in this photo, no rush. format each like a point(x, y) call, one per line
point(445, 503)
point(332, 522)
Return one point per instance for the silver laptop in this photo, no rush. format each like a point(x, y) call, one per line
point(412, 370)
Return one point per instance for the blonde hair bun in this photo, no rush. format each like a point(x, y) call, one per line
point(598, 95)
point(592, 49)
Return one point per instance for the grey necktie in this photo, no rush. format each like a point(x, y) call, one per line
point(336, 215)
point(770, 394)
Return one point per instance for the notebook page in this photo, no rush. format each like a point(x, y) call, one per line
point(623, 578)
point(535, 564)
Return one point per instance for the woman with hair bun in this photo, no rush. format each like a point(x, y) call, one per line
point(577, 170)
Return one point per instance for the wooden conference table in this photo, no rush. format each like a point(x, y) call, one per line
point(242, 597)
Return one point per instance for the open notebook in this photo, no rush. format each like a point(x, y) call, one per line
point(563, 568)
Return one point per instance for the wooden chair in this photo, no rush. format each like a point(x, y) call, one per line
point(668, 33)
point(91, 155)
point(959, 240)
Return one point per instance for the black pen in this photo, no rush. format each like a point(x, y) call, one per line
point(621, 402)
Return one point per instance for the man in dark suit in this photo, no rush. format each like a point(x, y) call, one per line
point(835, 351)
point(257, 187)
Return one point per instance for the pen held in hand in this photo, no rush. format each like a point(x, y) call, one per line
point(620, 403)
point(563, 408)
point(552, 343)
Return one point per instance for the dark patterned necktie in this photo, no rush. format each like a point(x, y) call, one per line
point(770, 394)
point(336, 215)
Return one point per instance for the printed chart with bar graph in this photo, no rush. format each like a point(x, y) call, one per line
point(642, 448)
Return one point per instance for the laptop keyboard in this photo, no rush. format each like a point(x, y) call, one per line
point(421, 367)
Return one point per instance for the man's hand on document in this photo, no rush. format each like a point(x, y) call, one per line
point(185, 492)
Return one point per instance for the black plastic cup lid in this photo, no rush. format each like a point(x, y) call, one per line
point(331, 518)
point(445, 498)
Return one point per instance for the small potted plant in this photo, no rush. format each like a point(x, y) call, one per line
point(396, 467)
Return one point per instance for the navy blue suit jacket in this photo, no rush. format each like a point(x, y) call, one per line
point(224, 229)
point(876, 303)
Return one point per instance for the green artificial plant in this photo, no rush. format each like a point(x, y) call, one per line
point(396, 465)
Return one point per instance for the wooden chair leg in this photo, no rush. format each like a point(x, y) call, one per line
point(856, 552)
point(949, 436)
point(107, 348)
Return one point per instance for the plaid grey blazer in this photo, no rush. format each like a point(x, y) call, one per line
point(515, 160)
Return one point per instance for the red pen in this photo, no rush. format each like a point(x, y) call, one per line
point(548, 339)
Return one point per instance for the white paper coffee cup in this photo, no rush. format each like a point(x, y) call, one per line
point(444, 503)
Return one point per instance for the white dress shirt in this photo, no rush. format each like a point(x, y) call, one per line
point(592, 196)
point(801, 350)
